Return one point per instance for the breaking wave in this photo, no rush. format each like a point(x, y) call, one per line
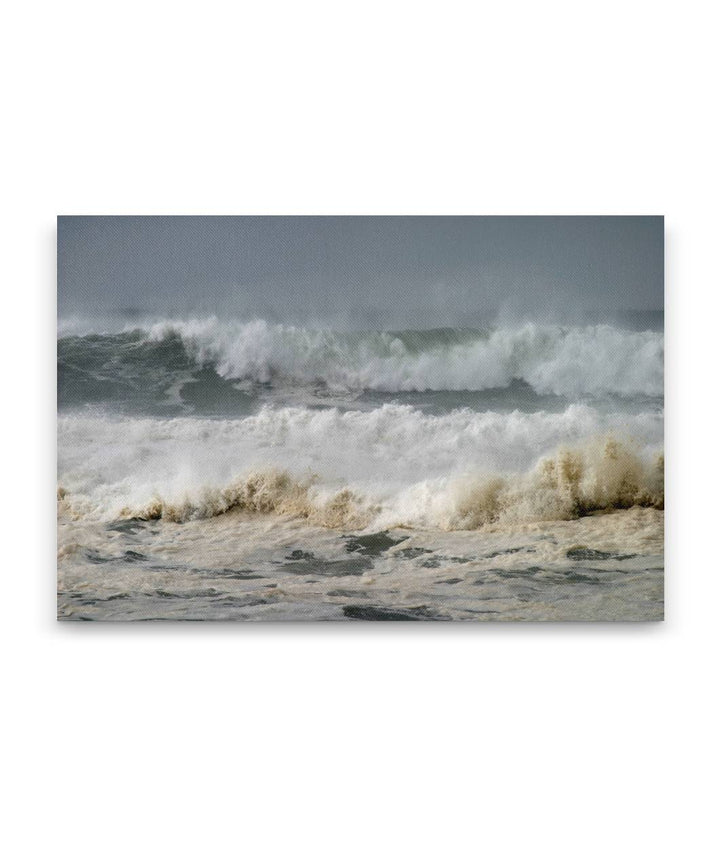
point(390, 466)
point(602, 475)
point(567, 361)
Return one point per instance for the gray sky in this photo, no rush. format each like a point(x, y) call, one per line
point(361, 271)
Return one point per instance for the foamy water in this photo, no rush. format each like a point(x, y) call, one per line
point(228, 469)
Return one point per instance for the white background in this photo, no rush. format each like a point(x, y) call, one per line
point(359, 738)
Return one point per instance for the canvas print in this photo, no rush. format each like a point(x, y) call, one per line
point(360, 418)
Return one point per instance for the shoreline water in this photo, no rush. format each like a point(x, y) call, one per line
point(244, 566)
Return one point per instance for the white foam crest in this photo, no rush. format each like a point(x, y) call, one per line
point(393, 460)
point(552, 359)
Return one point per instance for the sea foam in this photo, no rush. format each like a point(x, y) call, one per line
point(552, 359)
point(392, 466)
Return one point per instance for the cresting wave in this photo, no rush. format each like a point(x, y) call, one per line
point(602, 475)
point(561, 361)
point(568, 361)
point(461, 469)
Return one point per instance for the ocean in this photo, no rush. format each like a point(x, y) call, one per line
point(228, 469)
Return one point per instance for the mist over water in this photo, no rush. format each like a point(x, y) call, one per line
point(372, 273)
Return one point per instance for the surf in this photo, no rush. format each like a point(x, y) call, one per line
point(551, 359)
point(404, 462)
